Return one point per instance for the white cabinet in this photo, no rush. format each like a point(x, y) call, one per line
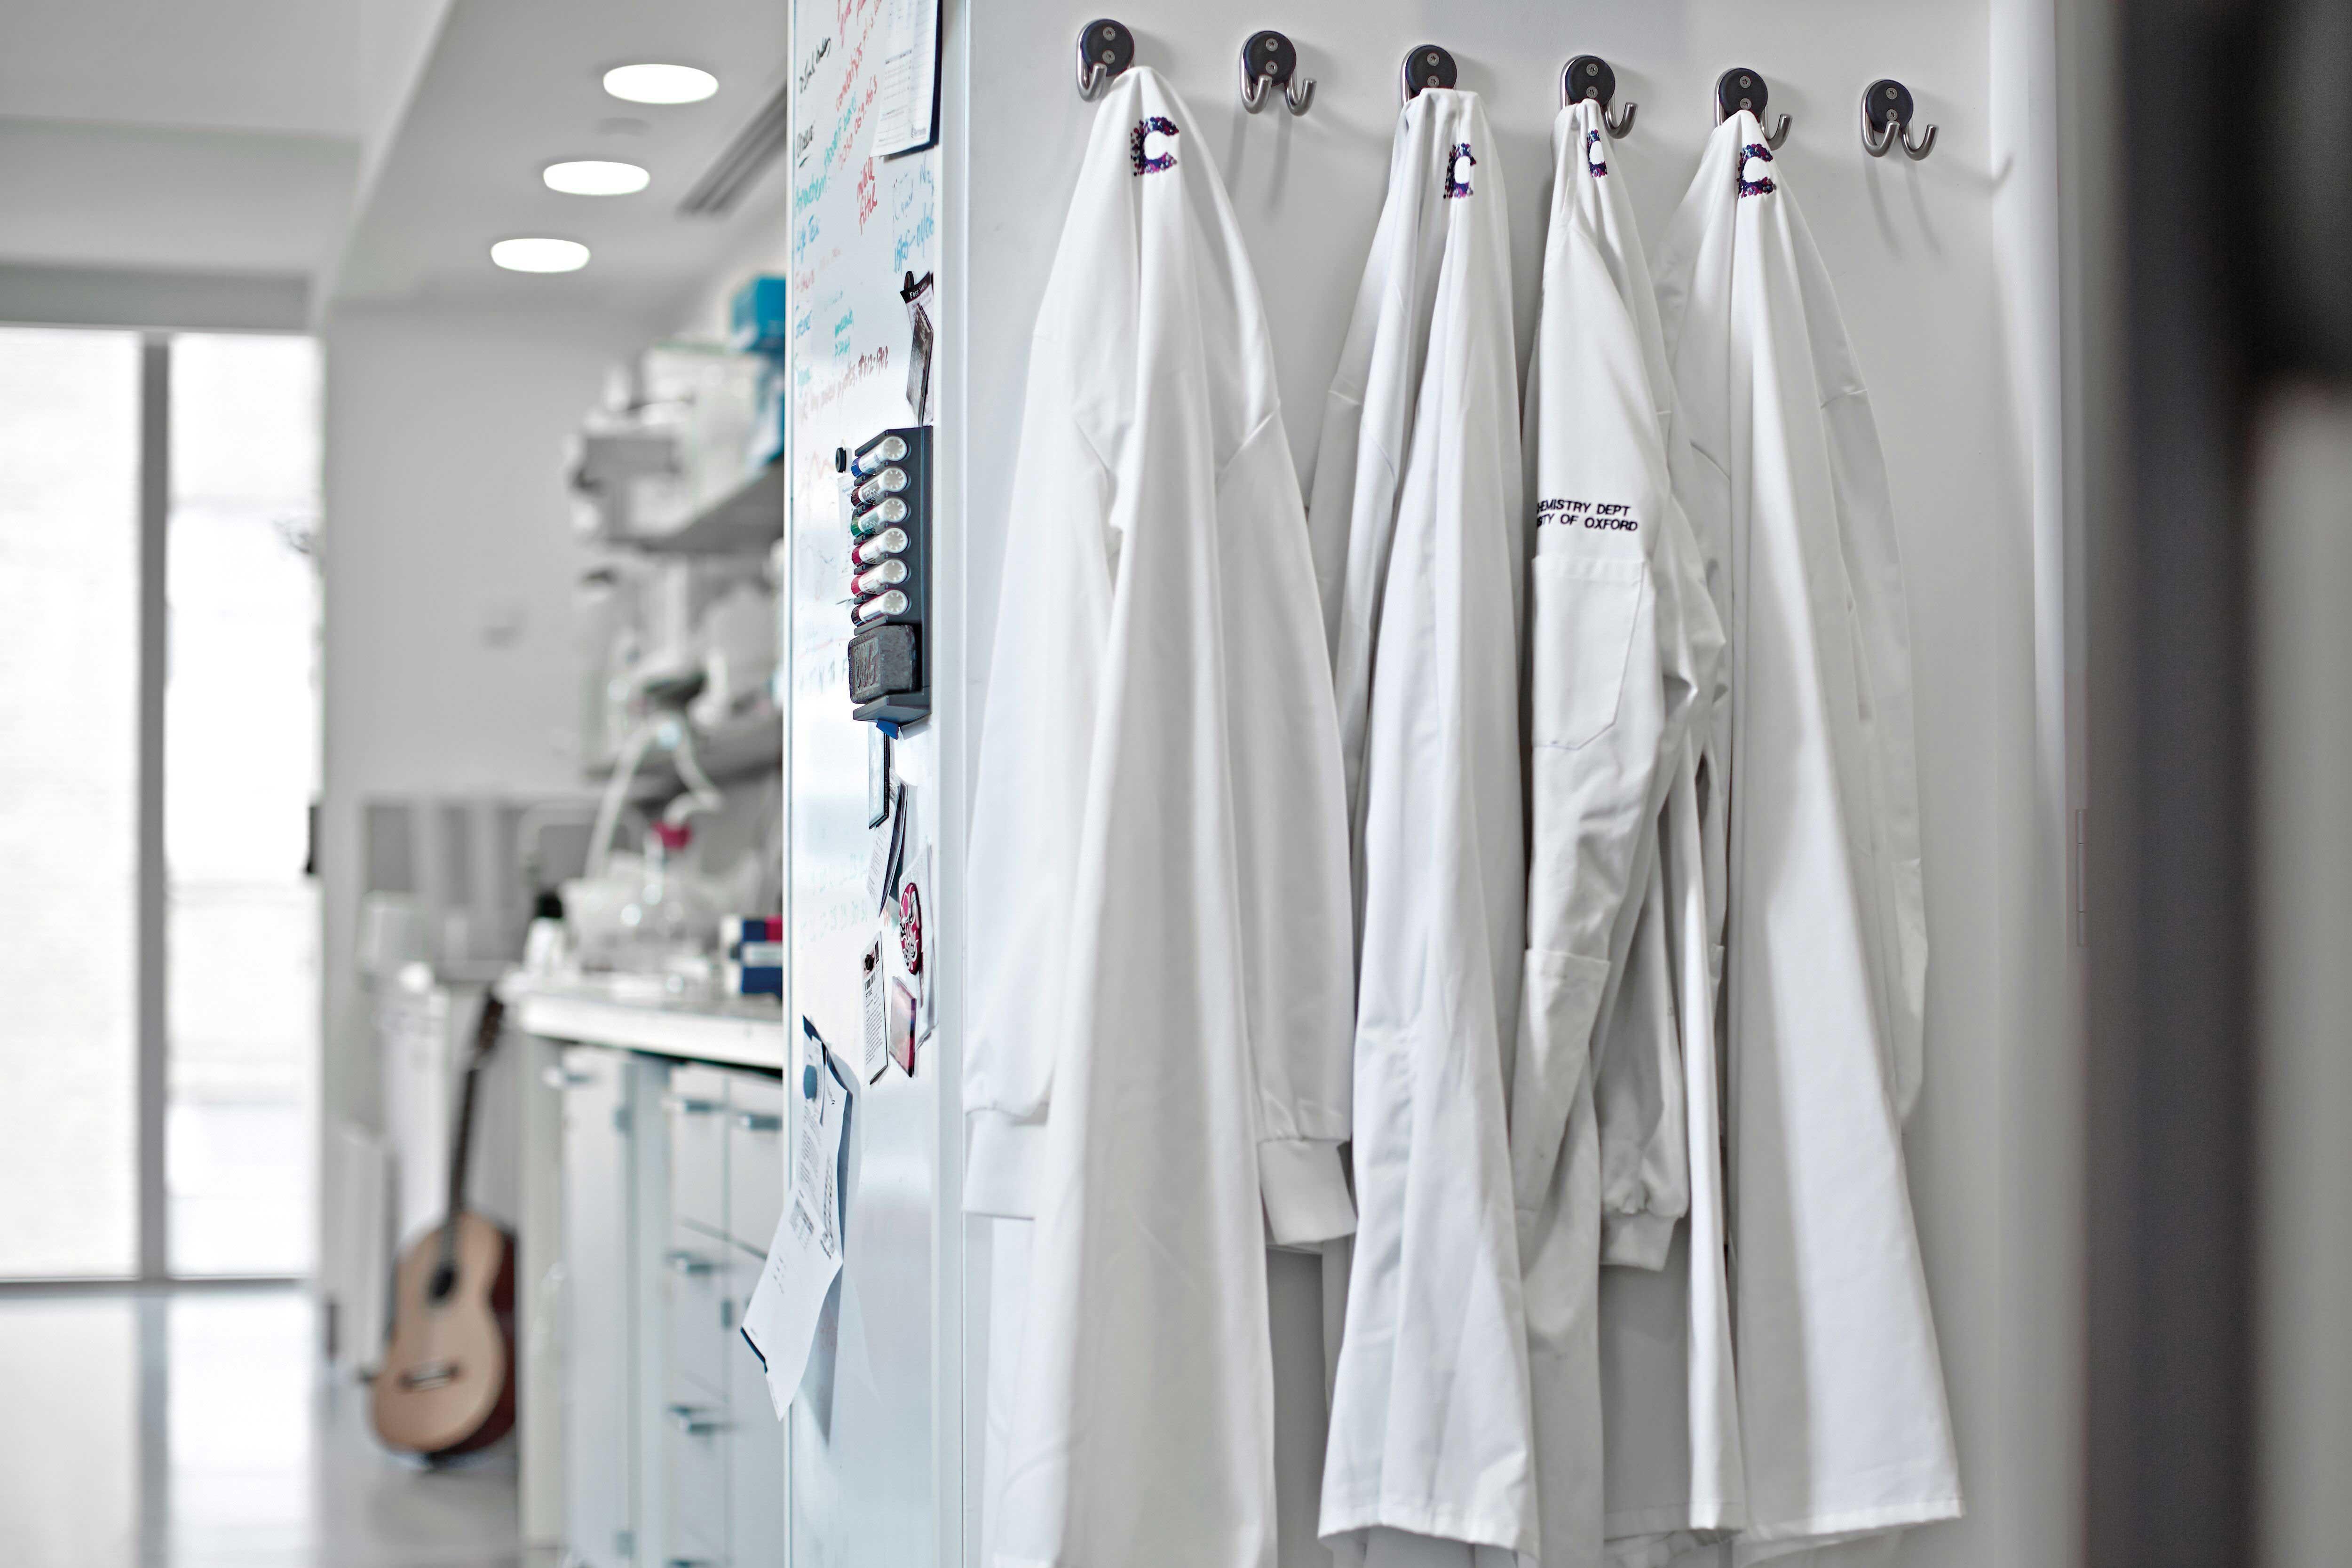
point(755, 1468)
point(673, 1458)
point(600, 1337)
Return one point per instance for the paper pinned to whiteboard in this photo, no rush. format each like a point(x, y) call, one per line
point(780, 1321)
point(908, 116)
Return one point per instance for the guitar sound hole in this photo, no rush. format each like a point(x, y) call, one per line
point(444, 1280)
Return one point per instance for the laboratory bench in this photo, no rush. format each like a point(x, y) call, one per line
point(651, 1181)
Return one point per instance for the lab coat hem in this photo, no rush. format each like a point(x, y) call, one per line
point(1637, 1240)
point(1305, 1191)
point(1000, 1163)
point(1438, 1524)
point(1717, 1515)
point(1857, 1521)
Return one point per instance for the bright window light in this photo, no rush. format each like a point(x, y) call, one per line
point(537, 254)
point(595, 177)
point(660, 84)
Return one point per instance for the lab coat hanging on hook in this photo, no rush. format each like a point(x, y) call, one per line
point(1420, 556)
point(1840, 1385)
point(1157, 1066)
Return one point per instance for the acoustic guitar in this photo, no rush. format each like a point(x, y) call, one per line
point(447, 1383)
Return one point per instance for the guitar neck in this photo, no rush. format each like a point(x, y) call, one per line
point(485, 1036)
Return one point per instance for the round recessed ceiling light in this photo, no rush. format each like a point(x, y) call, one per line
point(595, 177)
point(539, 254)
point(660, 84)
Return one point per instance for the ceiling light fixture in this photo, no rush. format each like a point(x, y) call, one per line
point(660, 84)
point(540, 254)
point(595, 177)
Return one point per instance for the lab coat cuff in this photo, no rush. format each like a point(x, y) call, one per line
point(1306, 1192)
point(1001, 1162)
point(1636, 1240)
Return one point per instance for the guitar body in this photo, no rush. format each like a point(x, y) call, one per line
point(447, 1383)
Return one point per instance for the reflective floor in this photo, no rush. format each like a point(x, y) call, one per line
point(193, 1429)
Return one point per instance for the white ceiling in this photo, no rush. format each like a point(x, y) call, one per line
point(179, 201)
point(286, 66)
point(180, 135)
point(513, 85)
point(375, 146)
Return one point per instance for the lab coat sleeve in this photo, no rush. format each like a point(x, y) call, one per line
point(1291, 861)
point(1046, 684)
point(1639, 1099)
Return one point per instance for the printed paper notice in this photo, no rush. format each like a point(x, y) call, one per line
point(805, 1258)
point(909, 77)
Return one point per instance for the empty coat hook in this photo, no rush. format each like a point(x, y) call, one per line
point(1427, 66)
point(1270, 60)
point(1105, 48)
point(1589, 76)
point(1739, 89)
point(1886, 110)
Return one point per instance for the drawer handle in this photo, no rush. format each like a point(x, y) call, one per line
point(687, 1563)
point(694, 1421)
point(759, 1121)
point(690, 1263)
point(689, 1105)
point(564, 1078)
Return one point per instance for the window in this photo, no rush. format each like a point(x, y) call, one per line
point(182, 1069)
point(68, 803)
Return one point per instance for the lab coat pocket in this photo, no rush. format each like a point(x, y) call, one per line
point(1585, 613)
point(1561, 998)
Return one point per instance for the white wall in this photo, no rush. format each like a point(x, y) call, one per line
point(445, 510)
point(1941, 267)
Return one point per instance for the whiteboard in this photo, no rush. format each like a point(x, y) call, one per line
point(860, 1474)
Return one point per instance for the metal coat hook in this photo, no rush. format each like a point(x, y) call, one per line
point(1270, 60)
point(1739, 89)
point(1105, 48)
point(1427, 66)
point(1887, 111)
point(1589, 76)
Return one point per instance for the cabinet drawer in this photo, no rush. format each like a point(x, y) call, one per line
point(695, 1101)
point(755, 1467)
point(755, 1159)
point(704, 1285)
point(696, 1445)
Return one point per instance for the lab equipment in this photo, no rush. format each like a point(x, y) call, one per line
point(759, 317)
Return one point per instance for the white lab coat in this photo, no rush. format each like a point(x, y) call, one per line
point(1668, 1398)
point(1626, 650)
point(1158, 1063)
point(1420, 539)
point(1840, 1385)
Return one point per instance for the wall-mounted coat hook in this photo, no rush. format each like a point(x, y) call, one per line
point(1739, 89)
point(1427, 66)
point(1105, 48)
point(1887, 111)
point(1589, 76)
point(1270, 60)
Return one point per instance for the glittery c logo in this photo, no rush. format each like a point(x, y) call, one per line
point(1756, 170)
point(1458, 164)
point(1595, 157)
point(1148, 163)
